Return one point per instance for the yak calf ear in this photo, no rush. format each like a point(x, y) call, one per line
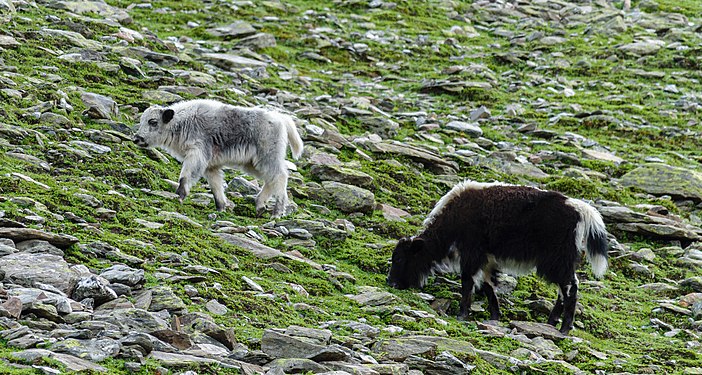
point(167, 115)
point(417, 244)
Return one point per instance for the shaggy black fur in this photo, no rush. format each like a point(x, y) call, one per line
point(497, 224)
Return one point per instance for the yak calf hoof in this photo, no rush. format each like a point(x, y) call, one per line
point(181, 193)
point(221, 207)
point(463, 316)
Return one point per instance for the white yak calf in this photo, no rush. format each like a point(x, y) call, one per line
point(207, 135)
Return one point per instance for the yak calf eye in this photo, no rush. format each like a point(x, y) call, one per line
point(153, 122)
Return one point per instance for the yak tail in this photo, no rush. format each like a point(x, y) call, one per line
point(288, 126)
point(591, 236)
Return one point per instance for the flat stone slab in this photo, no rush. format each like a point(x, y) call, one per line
point(23, 234)
point(260, 250)
point(532, 329)
point(423, 156)
point(179, 360)
point(662, 179)
point(72, 363)
point(231, 62)
point(399, 348)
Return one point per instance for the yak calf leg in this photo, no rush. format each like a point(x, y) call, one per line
point(466, 294)
point(215, 177)
point(194, 166)
point(570, 299)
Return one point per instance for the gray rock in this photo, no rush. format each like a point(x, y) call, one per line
point(261, 251)
point(96, 350)
point(252, 285)
point(347, 198)
point(199, 323)
point(234, 30)
point(316, 336)
point(430, 159)
point(642, 48)
point(39, 247)
point(279, 345)
point(370, 296)
point(6, 7)
point(243, 186)
point(163, 298)
point(31, 296)
point(216, 308)
point(296, 366)
point(131, 319)
point(326, 172)
point(532, 329)
point(88, 200)
point(160, 96)
point(662, 231)
point(454, 87)
point(94, 7)
point(72, 363)
point(180, 360)
point(55, 119)
point(444, 364)
point(73, 38)
point(162, 59)
point(29, 269)
point(472, 130)
point(257, 41)
point(23, 234)
point(400, 348)
point(6, 250)
point(91, 147)
point(694, 283)
point(231, 62)
point(95, 287)
point(662, 179)
point(316, 228)
point(99, 106)
point(123, 275)
point(659, 288)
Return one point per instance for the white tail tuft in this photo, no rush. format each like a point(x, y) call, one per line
point(293, 137)
point(591, 236)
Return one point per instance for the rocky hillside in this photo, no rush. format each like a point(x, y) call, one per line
point(103, 269)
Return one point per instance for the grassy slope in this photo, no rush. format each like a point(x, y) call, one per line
point(615, 316)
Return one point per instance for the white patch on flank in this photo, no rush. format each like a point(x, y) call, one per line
point(450, 264)
point(454, 193)
point(590, 222)
point(514, 267)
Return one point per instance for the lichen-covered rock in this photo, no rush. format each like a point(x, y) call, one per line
point(96, 350)
point(330, 172)
point(163, 298)
point(95, 287)
point(662, 179)
point(347, 198)
point(29, 269)
point(123, 275)
point(131, 319)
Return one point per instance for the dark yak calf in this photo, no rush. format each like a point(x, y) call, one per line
point(477, 229)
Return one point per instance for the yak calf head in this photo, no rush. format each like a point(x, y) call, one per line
point(153, 127)
point(410, 265)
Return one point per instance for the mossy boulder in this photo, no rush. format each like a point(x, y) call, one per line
point(342, 174)
point(347, 198)
point(663, 179)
